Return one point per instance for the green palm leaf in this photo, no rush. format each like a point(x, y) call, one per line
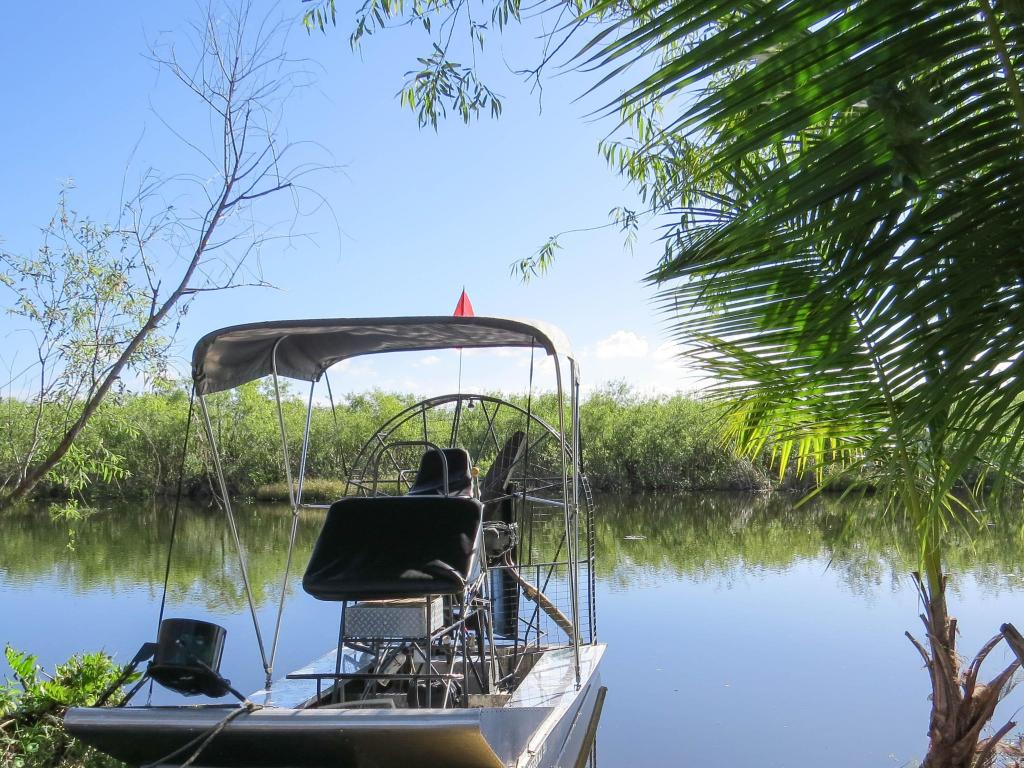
point(850, 268)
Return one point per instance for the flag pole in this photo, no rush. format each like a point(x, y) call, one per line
point(464, 308)
point(458, 389)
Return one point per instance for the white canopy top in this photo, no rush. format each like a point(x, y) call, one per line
point(235, 355)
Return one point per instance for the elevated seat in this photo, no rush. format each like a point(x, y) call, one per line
point(389, 547)
point(431, 475)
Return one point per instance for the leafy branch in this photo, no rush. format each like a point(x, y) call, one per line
point(95, 304)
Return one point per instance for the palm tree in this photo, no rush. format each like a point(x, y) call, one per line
point(846, 253)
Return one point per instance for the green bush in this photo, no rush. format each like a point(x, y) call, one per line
point(670, 443)
point(32, 706)
point(132, 447)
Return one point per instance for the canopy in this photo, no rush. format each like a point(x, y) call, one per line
point(235, 355)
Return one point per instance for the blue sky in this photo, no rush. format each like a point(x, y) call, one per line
point(420, 213)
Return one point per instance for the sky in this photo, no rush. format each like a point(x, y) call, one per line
point(411, 217)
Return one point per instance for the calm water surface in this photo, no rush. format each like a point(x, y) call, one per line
point(741, 631)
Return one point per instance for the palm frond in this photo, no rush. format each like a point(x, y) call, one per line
point(861, 289)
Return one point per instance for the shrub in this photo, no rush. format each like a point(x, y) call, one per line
point(32, 706)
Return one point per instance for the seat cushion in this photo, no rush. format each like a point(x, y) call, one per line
point(395, 546)
point(430, 477)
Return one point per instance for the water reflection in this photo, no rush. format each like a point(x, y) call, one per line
point(128, 544)
point(741, 631)
point(722, 536)
point(708, 537)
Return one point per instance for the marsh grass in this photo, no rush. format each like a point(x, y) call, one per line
point(631, 442)
point(314, 489)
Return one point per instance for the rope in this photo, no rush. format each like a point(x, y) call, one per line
point(334, 415)
point(203, 740)
point(459, 384)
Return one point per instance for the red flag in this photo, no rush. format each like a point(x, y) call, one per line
point(465, 307)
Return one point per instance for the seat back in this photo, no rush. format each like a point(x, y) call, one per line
point(389, 547)
point(431, 474)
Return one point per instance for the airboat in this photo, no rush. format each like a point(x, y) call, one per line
point(461, 558)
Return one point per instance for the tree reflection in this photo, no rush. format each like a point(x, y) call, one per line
point(702, 537)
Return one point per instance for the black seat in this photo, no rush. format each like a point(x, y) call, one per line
point(430, 477)
point(395, 546)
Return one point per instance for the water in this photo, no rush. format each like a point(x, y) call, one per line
point(740, 631)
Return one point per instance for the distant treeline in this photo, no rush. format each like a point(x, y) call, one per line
point(133, 445)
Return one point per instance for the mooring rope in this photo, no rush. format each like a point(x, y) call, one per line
point(334, 415)
point(202, 741)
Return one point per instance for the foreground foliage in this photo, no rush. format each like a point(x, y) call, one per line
point(32, 704)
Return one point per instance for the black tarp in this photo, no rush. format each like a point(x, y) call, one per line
point(232, 356)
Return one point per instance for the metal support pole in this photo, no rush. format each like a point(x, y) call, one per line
point(571, 549)
point(296, 504)
point(219, 471)
point(280, 421)
point(337, 694)
point(464, 639)
point(576, 463)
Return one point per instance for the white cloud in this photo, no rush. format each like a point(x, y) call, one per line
point(429, 360)
point(622, 344)
point(649, 369)
point(667, 351)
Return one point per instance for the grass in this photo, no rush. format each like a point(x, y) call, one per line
point(313, 489)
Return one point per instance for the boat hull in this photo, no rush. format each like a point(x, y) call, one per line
point(545, 727)
point(571, 738)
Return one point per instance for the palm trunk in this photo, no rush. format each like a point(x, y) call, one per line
point(944, 671)
point(961, 707)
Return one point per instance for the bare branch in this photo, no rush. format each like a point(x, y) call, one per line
point(172, 240)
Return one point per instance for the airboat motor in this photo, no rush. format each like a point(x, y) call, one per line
point(187, 657)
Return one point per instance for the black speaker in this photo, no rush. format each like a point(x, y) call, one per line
point(187, 659)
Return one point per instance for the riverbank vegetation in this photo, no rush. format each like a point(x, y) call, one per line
point(132, 447)
point(32, 706)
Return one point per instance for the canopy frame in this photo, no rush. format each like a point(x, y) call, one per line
point(233, 356)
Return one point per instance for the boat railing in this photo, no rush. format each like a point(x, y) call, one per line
point(538, 595)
